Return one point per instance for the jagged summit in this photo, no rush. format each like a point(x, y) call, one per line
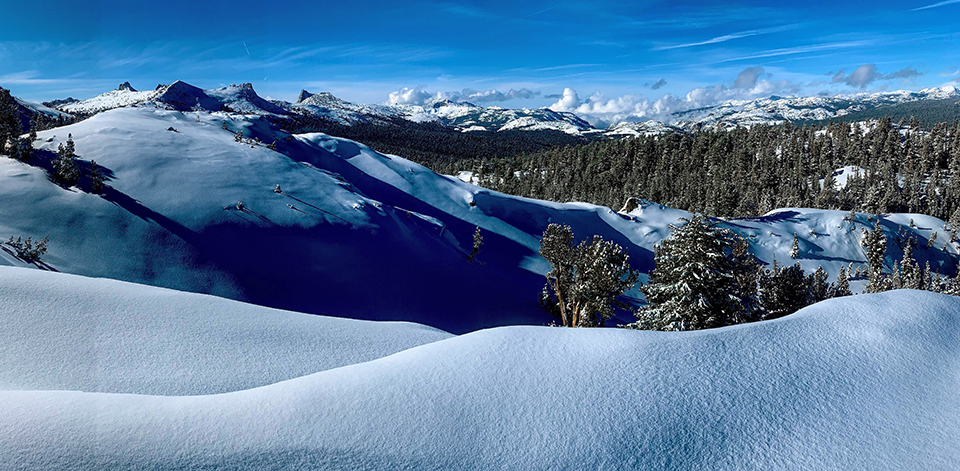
point(125, 86)
point(303, 96)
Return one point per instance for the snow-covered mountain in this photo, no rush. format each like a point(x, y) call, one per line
point(467, 117)
point(631, 129)
point(775, 110)
point(864, 382)
point(243, 99)
point(351, 232)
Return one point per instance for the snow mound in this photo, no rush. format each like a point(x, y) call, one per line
point(61, 331)
point(864, 382)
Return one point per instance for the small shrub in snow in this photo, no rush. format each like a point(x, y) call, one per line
point(28, 251)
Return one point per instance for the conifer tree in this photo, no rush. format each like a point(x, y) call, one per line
point(818, 288)
point(875, 244)
point(585, 281)
point(843, 284)
point(97, 178)
point(65, 166)
point(795, 250)
point(783, 290)
point(911, 276)
point(693, 284)
point(477, 242)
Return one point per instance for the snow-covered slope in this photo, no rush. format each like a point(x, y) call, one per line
point(630, 129)
point(865, 382)
point(68, 332)
point(352, 233)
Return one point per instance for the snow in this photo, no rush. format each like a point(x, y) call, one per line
point(353, 231)
point(864, 382)
point(99, 335)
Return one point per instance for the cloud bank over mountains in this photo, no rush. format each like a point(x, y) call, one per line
point(419, 96)
point(601, 110)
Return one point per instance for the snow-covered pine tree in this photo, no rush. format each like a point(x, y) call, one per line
point(819, 288)
point(694, 283)
point(9, 119)
point(910, 274)
point(795, 250)
point(783, 290)
point(842, 288)
point(64, 166)
point(875, 244)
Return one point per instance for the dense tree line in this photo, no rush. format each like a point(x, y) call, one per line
point(746, 172)
point(432, 144)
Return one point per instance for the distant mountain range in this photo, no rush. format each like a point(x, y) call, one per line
point(929, 105)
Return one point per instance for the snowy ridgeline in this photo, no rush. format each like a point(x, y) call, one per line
point(863, 382)
point(351, 232)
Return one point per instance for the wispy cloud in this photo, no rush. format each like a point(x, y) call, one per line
point(800, 50)
point(27, 77)
point(732, 36)
point(936, 5)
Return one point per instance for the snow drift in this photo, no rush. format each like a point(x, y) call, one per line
point(863, 382)
point(61, 331)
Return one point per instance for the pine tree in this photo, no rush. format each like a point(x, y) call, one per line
point(843, 284)
point(795, 250)
point(818, 288)
point(65, 166)
point(783, 290)
point(694, 283)
point(477, 242)
point(911, 276)
point(585, 281)
point(97, 178)
point(875, 243)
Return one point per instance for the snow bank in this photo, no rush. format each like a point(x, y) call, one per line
point(864, 382)
point(61, 331)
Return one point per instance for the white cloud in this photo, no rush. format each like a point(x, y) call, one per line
point(935, 5)
point(601, 111)
point(867, 73)
point(408, 96)
point(419, 96)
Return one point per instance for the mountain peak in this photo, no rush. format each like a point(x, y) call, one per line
point(125, 86)
point(303, 96)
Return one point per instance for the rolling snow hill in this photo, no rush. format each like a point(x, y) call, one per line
point(351, 232)
point(67, 332)
point(863, 382)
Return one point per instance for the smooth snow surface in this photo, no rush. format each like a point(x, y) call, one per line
point(865, 382)
point(62, 331)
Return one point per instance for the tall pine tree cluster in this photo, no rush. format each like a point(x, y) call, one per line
point(746, 172)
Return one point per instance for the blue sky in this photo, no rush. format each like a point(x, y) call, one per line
point(599, 57)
